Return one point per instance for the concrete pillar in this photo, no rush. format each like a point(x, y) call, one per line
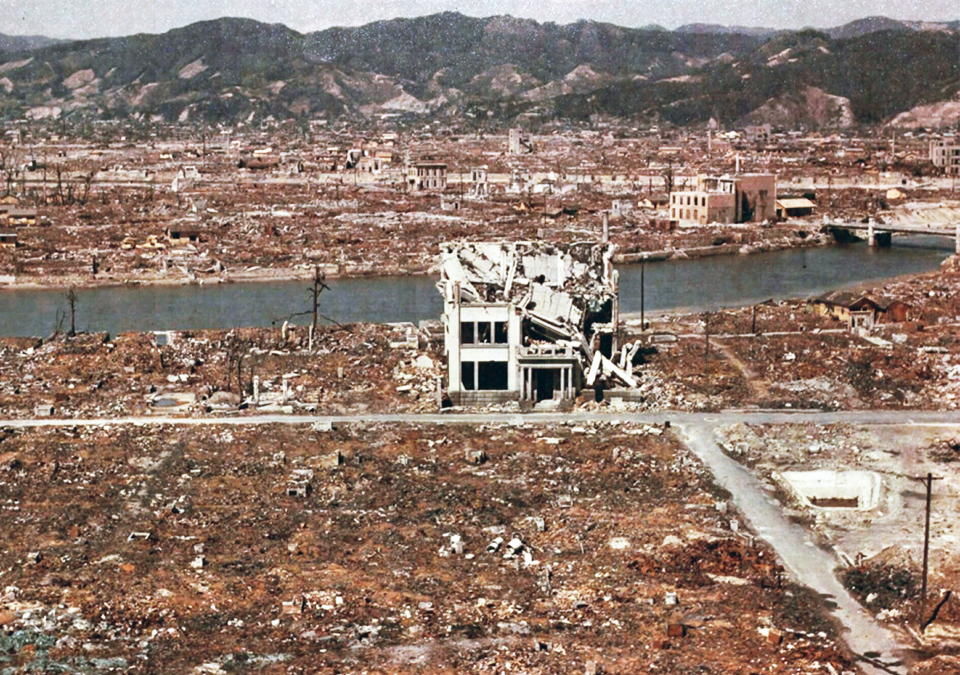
point(452, 335)
point(286, 388)
point(283, 330)
point(256, 390)
point(871, 235)
point(615, 278)
point(310, 338)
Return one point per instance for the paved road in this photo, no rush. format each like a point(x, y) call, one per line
point(900, 417)
point(878, 650)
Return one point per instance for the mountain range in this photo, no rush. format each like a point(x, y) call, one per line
point(19, 43)
point(858, 28)
point(240, 70)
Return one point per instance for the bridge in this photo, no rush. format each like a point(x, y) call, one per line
point(881, 234)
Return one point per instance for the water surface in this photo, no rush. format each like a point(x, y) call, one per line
point(721, 281)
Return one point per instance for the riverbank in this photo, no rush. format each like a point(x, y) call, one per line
point(709, 281)
point(361, 271)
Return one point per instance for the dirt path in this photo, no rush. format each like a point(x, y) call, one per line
point(759, 386)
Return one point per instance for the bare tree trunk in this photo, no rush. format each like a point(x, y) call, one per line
point(72, 301)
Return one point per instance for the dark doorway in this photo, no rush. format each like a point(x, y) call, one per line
point(746, 210)
point(545, 382)
point(606, 345)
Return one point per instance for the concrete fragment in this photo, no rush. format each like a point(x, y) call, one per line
point(475, 456)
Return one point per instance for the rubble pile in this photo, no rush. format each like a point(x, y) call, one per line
point(343, 368)
point(399, 548)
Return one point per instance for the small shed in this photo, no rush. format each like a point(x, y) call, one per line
point(795, 207)
point(860, 308)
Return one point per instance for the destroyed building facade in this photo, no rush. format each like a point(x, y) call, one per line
point(945, 154)
point(518, 142)
point(428, 175)
point(743, 198)
point(527, 321)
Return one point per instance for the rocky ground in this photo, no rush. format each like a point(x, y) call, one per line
point(356, 368)
point(395, 549)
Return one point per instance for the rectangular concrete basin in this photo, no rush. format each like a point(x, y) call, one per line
point(826, 489)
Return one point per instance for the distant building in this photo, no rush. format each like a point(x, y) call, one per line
point(621, 207)
point(14, 215)
point(744, 198)
point(759, 134)
point(519, 142)
point(479, 183)
point(186, 235)
point(373, 164)
point(945, 154)
point(428, 176)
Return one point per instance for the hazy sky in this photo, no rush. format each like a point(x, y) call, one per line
point(95, 18)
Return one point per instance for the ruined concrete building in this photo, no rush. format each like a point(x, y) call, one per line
point(519, 142)
point(760, 134)
point(528, 321)
point(743, 198)
point(480, 183)
point(945, 154)
point(428, 176)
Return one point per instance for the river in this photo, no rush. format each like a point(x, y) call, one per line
point(701, 283)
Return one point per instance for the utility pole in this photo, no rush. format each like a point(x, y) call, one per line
point(706, 335)
point(928, 481)
point(753, 321)
point(643, 321)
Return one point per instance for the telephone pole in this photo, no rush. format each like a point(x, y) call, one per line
point(643, 321)
point(928, 482)
point(706, 335)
